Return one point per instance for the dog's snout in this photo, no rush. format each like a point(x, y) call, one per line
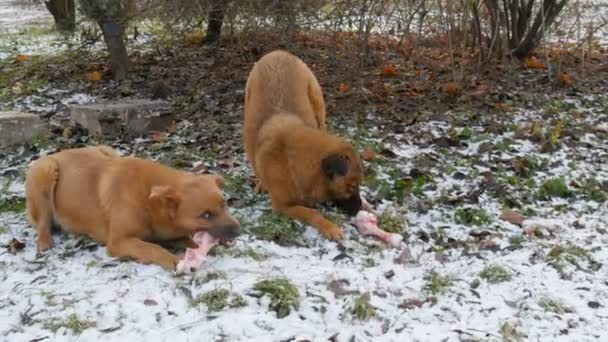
point(352, 205)
point(227, 230)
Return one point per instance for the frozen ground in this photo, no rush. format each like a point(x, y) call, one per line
point(463, 274)
point(548, 285)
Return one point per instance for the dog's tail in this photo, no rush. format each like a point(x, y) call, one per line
point(40, 183)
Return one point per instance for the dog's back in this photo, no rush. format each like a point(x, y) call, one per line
point(280, 84)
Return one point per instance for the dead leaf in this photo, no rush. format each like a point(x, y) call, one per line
point(195, 37)
point(67, 132)
point(173, 128)
point(150, 302)
point(93, 76)
point(452, 88)
point(21, 58)
point(158, 136)
point(15, 246)
point(389, 70)
point(565, 79)
point(534, 63)
point(502, 107)
point(368, 154)
point(512, 217)
point(343, 88)
point(226, 162)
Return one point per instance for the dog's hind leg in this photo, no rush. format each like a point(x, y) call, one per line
point(315, 96)
point(40, 184)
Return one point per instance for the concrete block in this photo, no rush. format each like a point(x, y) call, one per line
point(137, 116)
point(19, 128)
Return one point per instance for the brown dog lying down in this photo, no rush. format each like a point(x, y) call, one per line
point(124, 203)
point(286, 142)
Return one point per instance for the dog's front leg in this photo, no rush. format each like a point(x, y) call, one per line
point(329, 229)
point(142, 251)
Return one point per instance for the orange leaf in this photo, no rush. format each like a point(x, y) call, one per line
point(158, 136)
point(534, 63)
point(93, 76)
point(565, 79)
point(195, 37)
point(173, 128)
point(344, 87)
point(452, 88)
point(368, 154)
point(389, 70)
point(21, 58)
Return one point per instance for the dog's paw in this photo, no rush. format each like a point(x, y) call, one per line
point(332, 232)
point(259, 188)
point(169, 263)
point(44, 244)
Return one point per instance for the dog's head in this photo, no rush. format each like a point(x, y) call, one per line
point(196, 205)
point(343, 173)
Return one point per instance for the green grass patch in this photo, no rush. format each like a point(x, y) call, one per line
point(283, 295)
point(437, 283)
point(561, 256)
point(72, 323)
point(12, 204)
point(218, 299)
point(392, 221)
point(553, 305)
point(239, 253)
point(472, 216)
point(362, 309)
point(495, 274)
point(509, 333)
point(278, 229)
point(555, 187)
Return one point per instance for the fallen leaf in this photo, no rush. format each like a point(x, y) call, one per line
point(173, 128)
point(565, 79)
point(534, 63)
point(226, 162)
point(389, 70)
point(512, 217)
point(15, 246)
point(368, 154)
point(452, 88)
point(158, 136)
point(195, 37)
point(150, 302)
point(502, 107)
point(67, 132)
point(21, 58)
point(343, 88)
point(93, 76)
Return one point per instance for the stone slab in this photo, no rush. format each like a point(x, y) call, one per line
point(137, 116)
point(20, 128)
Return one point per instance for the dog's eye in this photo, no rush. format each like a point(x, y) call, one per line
point(207, 215)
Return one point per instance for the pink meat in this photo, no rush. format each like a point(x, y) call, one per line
point(194, 257)
point(367, 224)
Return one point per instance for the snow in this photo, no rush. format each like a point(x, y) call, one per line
point(130, 301)
point(95, 287)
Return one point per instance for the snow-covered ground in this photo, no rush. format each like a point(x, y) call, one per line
point(547, 295)
point(463, 274)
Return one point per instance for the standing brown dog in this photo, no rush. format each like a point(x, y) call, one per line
point(125, 203)
point(286, 142)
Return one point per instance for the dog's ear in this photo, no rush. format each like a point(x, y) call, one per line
point(166, 195)
point(335, 165)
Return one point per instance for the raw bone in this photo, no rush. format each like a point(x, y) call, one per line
point(194, 257)
point(367, 224)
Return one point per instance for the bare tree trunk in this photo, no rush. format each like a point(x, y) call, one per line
point(215, 21)
point(111, 16)
point(113, 36)
point(64, 14)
